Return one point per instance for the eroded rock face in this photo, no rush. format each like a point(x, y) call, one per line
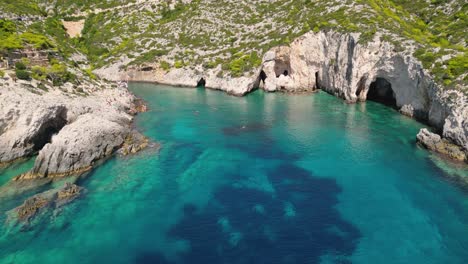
point(78, 146)
point(31, 207)
point(238, 86)
point(440, 145)
point(69, 132)
point(134, 142)
point(25, 130)
point(339, 64)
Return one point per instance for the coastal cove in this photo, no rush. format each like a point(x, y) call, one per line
point(265, 178)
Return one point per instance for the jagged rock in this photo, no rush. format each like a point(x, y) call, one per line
point(68, 193)
point(46, 202)
point(139, 106)
point(341, 65)
point(69, 132)
point(407, 110)
point(134, 142)
point(25, 130)
point(440, 145)
point(78, 146)
point(31, 207)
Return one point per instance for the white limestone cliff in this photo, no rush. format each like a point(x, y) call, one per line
point(338, 64)
point(70, 132)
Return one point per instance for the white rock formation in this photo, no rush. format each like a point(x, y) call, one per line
point(70, 132)
point(339, 64)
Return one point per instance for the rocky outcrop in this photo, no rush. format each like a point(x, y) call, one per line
point(238, 86)
point(31, 207)
point(134, 142)
point(78, 146)
point(341, 65)
point(69, 132)
point(24, 130)
point(47, 202)
point(440, 145)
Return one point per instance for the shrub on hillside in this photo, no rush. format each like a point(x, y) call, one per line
point(39, 73)
point(179, 64)
point(22, 74)
point(165, 65)
point(20, 65)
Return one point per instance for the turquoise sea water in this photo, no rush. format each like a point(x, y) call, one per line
point(268, 178)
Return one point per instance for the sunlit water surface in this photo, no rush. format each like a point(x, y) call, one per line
point(268, 178)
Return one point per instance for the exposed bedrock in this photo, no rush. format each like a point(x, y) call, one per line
point(338, 64)
point(78, 146)
point(25, 131)
point(440, 145)
point(43, 204)
point(68, 133)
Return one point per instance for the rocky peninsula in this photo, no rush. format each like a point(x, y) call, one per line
point(68, 131)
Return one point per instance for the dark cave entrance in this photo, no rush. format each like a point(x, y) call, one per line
point(260, 82)
point(381, 91)
point(48, 129)
point(147, 68)
point(317, 81)
point(285, 73)
point(201, 83)
point(263, 76)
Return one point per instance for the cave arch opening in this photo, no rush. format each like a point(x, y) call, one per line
point(381, 91)
point(48, 129)
point(317, 81)
point(201, 83)
point(263, 77)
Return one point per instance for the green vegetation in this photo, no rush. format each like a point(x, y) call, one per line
point(20, 65)
point(2, 74)
point(165, 65)
point(59, 74)
point(90, 73)
point(22, 74)
point(178, 64)
point(39, 73)
point(237, 33)
point(242, 63)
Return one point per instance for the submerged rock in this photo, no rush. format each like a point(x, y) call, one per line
point(68, 193)
point(47, 202)
point(134, 142)
point(31, 207)
point(440, 145)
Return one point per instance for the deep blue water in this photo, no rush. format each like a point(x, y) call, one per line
point(268, 178)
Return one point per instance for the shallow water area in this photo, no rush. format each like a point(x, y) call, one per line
point(266, 178)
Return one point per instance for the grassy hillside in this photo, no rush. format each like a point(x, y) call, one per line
point(235, 34)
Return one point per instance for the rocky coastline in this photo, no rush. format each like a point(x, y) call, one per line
point(69, 132)
point(340, 64)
